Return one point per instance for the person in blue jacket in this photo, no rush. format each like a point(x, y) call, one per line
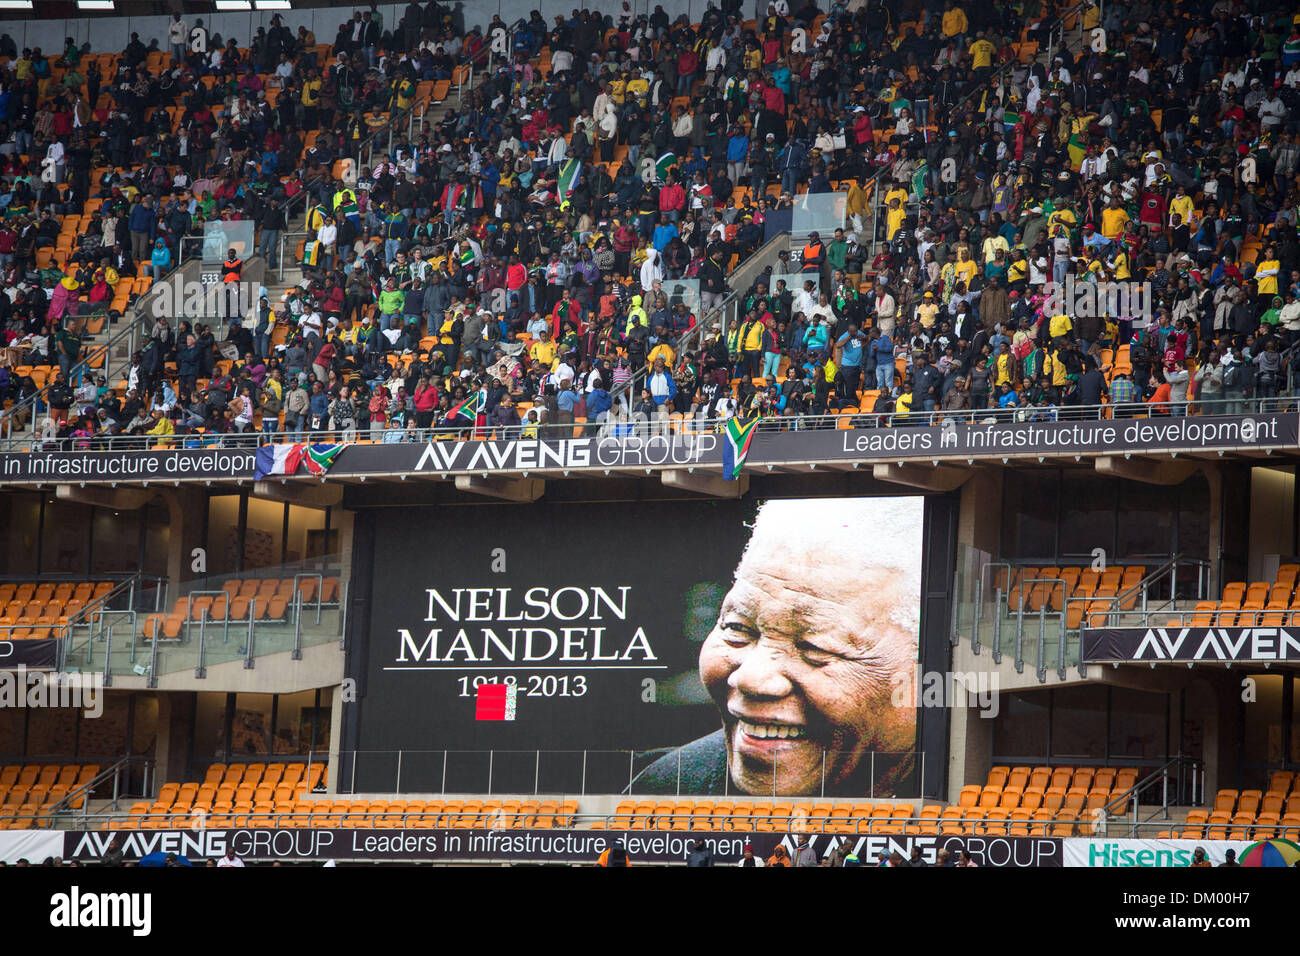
point(660, 384)
point(737, 153)
point(817, 337)
point(882, 350)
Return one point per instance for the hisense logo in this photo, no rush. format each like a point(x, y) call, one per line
point(78, 910)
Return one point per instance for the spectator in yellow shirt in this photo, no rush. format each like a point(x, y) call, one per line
point(894, 218)
point(954, 20)
point(543, 350)
point(965, 267)
point(928, 311)
point(1004, 365)
point(1059, 326)
point(1182, 205)
point(310, 99)
point(1113, 218)
point(981, 52)
point(991, 246)
point(637, 88)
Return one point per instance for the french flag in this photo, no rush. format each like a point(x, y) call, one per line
point(278, 460)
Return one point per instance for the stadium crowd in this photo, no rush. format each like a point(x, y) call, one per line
point(517, 262)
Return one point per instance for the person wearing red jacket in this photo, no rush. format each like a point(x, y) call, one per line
point(774, 99)
point(567, 309)
point(426, 403)
point(688, 61)
point(672, 200)
point(516, 275)
point(862, 133)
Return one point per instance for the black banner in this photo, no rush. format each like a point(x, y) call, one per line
point(32, 654)
point(991, 439)
point(539, 846)
point(618, 643)
point(1248, 644)
point(129, 466)
point(608, 448)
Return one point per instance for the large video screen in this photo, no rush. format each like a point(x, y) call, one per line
point(648, 648)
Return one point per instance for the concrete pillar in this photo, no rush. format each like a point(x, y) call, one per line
point(163, 745)
point(1214, 478)
point(336, 735)
point(970, 755)
point(979, 524)
point(171, 750)
point(185, 515)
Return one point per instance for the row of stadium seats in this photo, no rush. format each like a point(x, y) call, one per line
point(348, 814)
point(13, 592)
point(27, 791)
point(46, 774)
point(278, 784)
point(1222, 825)
point(268, 598)
point(680, 815)
point(1053, 587)
point(30, 609)
point(1261, 603)
point(1080, 789)
point(262, 774)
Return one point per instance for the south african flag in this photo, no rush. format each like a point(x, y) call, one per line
point(468, 408)
point(287, 459)
point(1076, 150)
point(667, 162)
point(740, 436)
point(568, 178)
point(319, 457)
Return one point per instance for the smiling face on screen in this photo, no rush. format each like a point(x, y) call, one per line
point(802, 663)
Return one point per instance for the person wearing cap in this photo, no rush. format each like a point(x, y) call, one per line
point(814, 254)
point(748, 859)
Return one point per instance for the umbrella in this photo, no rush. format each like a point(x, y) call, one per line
point(160, 859)
point(1271, 853)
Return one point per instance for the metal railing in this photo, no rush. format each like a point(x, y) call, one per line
point(1070, 824)
point(618, 424)
point(210, 626)
point(1045, 611)
point(1156, 593)
point(1179, 782)
point(99, 618)
point(874, 774)
point(77, 801)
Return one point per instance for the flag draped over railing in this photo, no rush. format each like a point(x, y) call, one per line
point(739, 437)
point(291, 458)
